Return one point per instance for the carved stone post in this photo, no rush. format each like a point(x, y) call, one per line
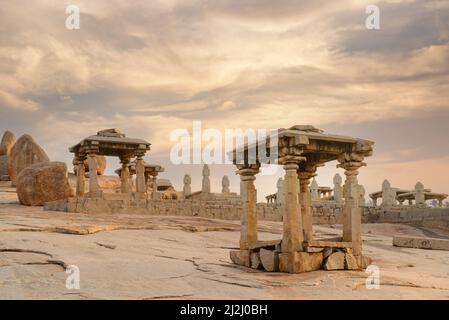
point(305, 173)
point(94, 188)
point(419, 194)
point(293, 230)
point(124, 175)
point(352, 212)
point(80, 176)
point(187, 189)
point(140, 175)
point(154, 194)
point(248, 231)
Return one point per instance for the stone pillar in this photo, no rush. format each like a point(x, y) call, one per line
point(305, 173)
point(419, 194)
point(352, 212)
point(140, 175)
point(187, 189)
point(388, 194)
point(314, 189)
point(80, 176)
point(154, 194)
point(205, 187)
point(248, 231)
point(124, 176)
point(280, 194)
point(94, 188)
point(338, 192)
point(225, 185)
point(293, 231)
point(361, 195)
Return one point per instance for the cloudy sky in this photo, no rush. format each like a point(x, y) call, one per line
point(149, 67)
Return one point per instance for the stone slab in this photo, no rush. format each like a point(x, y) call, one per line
point(421, 243)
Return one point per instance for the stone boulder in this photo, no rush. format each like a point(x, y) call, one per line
point(8, 141)
point(101, 165)
point(336, 261)
point(43, 182)
point(269, 259)
point(24, 153)
point(4, 168)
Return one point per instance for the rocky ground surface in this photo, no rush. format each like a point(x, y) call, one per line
point(155, 257)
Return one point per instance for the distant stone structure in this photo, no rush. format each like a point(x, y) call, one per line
point(314, 190)
point(396, 196)
point(110, 142)
point(206, 181)
point(280, 194)
point(225, 185)
point(338, 190)
point(187, 189)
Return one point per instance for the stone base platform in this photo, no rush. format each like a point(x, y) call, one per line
point(326, 254)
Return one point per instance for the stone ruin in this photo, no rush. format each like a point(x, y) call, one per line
point(301, 149)
point(319, 194)
point(146, 193)
point(399, 197)
point(298, 203)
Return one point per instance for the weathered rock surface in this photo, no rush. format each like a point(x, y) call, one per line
point(43, 182)
point(24, 153)
point(8, 141)
point(336, 261)
point(188, 258)
point(101, 165)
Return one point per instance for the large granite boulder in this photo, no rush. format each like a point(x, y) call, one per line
point(8, 141)
point(4, 168)
point(24, 153)
point(101, 165)
point(43, 182)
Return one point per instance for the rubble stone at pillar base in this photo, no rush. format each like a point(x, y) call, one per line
point(266, 255)
point(240, 257)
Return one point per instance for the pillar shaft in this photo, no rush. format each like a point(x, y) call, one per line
point(80, 178)
point(154, 194)
point(140, 175)
point(305, 199)
point(94, 188)
point(124, 176)
point(293, 230)
point(352, 212)
point(248, 229)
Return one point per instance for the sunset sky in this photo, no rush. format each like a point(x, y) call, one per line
point(150, 67)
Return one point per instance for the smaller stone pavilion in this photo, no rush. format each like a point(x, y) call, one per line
point(301, 150)
point(108, 142)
